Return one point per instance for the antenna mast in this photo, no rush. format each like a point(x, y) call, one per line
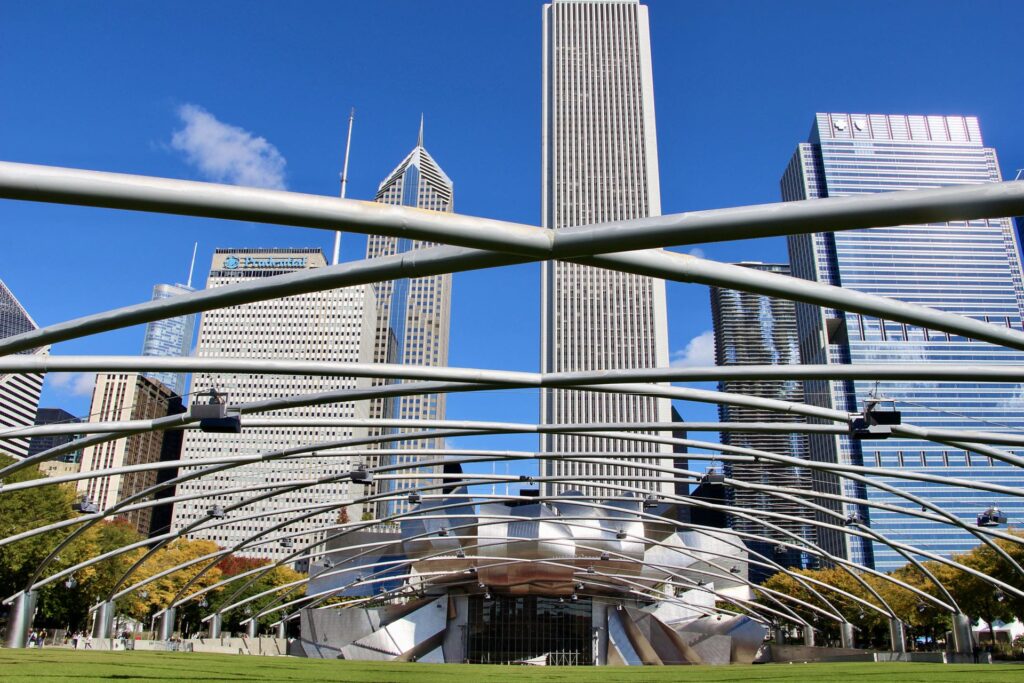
point(344, 182)
point(192, 267)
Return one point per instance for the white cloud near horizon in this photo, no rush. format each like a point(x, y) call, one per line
point(225, 153)
point(699, 351)
point(72, 383)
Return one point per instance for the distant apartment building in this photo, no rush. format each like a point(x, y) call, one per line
point(62, 464)
point(19, 393)
point(318, 326)
point(122, 397)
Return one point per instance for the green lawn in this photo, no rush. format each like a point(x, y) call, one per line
point(67, 666)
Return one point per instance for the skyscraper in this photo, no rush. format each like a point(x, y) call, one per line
point(322, 326)
point(600, 163)
point(121, 397)
point(753, 329)
point(172, 336)
point(413, 315)
point(971, 268)
point(19, 393)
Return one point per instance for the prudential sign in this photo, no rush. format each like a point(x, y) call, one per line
point(234, 262)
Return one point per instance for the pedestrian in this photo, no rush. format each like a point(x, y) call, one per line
point(42, 638)
point(32, 638)
point(74, 640)
point(88, 642)
point(976, 651)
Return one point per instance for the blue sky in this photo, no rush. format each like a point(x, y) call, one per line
point(108, 85)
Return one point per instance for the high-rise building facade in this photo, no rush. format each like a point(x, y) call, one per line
point(319, 326)
point(971, 268)
point(413, 315)
point(19, 393)
point(753, 329)
point(600, 163)
point(120, 397)
point(170, 337)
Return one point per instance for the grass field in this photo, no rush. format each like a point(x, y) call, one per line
point(40, 666)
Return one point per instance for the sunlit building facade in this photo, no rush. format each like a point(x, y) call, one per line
point(19, 393)
point(413, 314)
point(971, 268)
point(318, 326)
point(120, 397)
point(600, 163)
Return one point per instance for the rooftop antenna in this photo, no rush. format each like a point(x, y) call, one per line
point(1020, 173)
point(192, 267)
point(419, 141)
point(344, 182)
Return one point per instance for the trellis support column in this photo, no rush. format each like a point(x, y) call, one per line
point(167, 623)
point(250, 628)
point(19, 619)
point(897, 636)
point(103, 623)
point(215, 624)
point(808, 636)
point(846, 635)
point(282, 629)
point(963, 637)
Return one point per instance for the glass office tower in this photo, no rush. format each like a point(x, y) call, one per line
point(753, 329)
point(971, 268)
point(599, 164)
point(170, 337)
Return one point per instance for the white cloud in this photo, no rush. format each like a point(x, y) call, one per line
point(226, 153)
point(699, 351)
point(72, 383)
point(696, 251)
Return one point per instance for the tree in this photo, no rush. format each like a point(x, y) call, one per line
point(22, 511)
point(978, 598)
point(278, 576)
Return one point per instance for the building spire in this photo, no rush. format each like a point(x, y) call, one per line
point(192, 267)
point(419, 142)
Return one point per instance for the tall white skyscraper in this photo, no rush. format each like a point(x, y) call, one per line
point(19, 393)
point(322, 326)
point(413, 315)
point(600, 163)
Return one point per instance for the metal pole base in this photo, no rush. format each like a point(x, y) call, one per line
point(215, 625)
point(19, 619)
point(963, 637)
point(897, 636)
point(167, 624)
point(808, 636)
point(250, 628)
point(103, 624)
point(846, 635)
